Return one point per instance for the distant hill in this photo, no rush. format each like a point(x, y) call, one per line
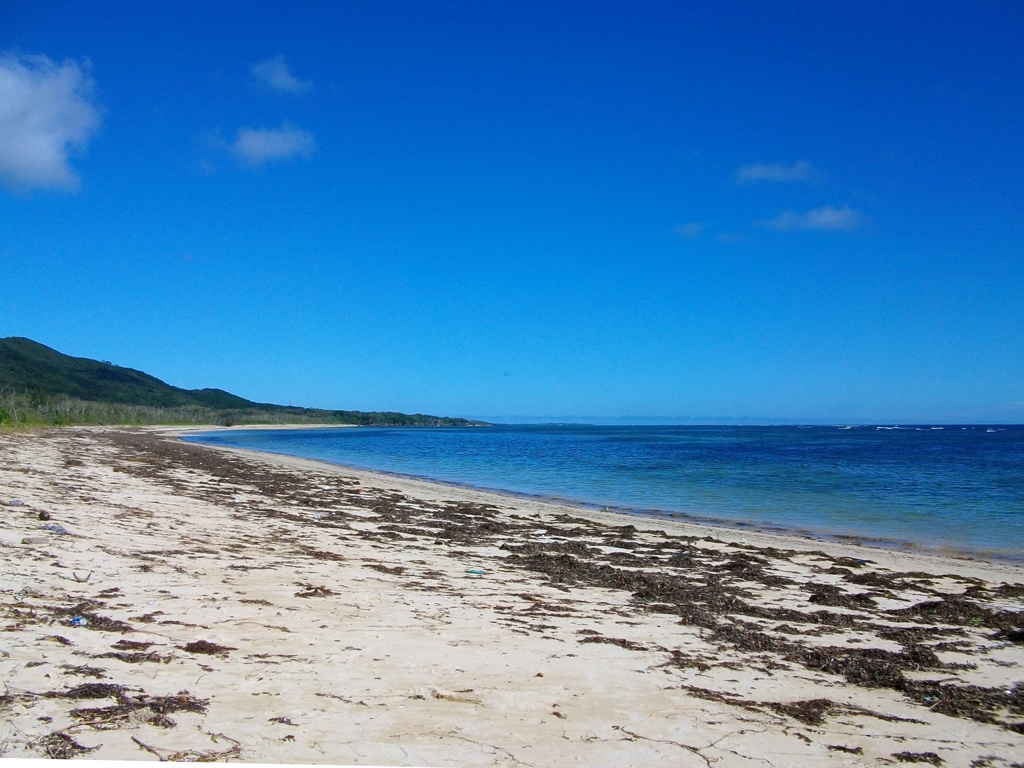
point(26, 365)
point(34, 371)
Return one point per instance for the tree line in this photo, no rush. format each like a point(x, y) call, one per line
point(22, 409)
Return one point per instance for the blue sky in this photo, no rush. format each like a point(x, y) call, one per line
point(667, 210)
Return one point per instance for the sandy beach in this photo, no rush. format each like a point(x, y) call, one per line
point(164, 600)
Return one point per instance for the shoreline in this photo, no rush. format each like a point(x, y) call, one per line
point(246, 606)
point(801, 535)
point(906, 553)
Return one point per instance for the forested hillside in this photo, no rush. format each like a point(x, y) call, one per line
point(39, 385)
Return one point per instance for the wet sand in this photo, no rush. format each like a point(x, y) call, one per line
point(192, 603)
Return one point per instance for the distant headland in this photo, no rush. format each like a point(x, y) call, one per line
point(40, 386)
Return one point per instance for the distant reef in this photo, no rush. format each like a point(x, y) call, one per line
point(41, 386)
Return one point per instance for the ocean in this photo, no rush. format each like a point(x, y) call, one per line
point(951, 489)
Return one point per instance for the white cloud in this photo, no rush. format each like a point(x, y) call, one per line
point(255, 146)
point(825, 219)
point(46, 111)
point(691, 231)
point(798, 171)
point(274, 75)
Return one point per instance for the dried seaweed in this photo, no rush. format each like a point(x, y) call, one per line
point(621, 642)
point(89, 691)
point(968, 701)
point(135, 657)
point(155, 710)
point(206, 647)
point(707, 583)
point(131, 645)
point(918, 757)
point(959, 612)
point(833, 596)
point(810, 712)
point(394, 570)
point(84, 671)
point(94, 621)
point(308, 590)
point(847, 750)
point(59, 746)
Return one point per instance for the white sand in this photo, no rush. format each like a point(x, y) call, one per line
point(359, 635)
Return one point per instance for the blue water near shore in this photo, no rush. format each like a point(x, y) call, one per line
point(953, 489)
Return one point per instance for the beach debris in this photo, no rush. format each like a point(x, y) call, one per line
point(709, 584)
point(475, 571)
point(191, 755)
point(1012, 635)
point(90, 691)
point(456, 696)
point(92, 619)
point(918, 757)
point(843, 748)
point(56, 528)
point(33, 540)
point(128, 707)
point(59, 746)
point(619, 641)
point(79, 578)
point(205, 646)
point(84, 670)
point(308, 590)
point(135, 657)
point(44, 515)
point(131, 645)
point(809, 712)
point(16, 503)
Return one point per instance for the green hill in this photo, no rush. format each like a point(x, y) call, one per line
point(41, 385)
point(26, 365)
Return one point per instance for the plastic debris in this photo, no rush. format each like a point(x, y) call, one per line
point(79, 621)
point(475, 571)
point(16, 503)
point(55, 528)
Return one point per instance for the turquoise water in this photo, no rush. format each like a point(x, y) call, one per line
point(951, 488)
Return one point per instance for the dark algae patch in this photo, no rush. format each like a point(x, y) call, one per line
point(155, 710)
point(59, 746)
point(309, 590)
point(206, 647)
point(918, 757)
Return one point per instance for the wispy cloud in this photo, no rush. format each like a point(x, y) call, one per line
point(798, 171)
point(691, 231)
point(46, 111)
point(254, 147)
point(825, 219)
point(273, 74)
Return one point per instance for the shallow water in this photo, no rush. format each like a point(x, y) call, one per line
point(956, 489)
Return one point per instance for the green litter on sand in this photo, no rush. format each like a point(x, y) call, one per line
point(475, 571)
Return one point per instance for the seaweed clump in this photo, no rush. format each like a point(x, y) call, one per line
point(206, 647)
